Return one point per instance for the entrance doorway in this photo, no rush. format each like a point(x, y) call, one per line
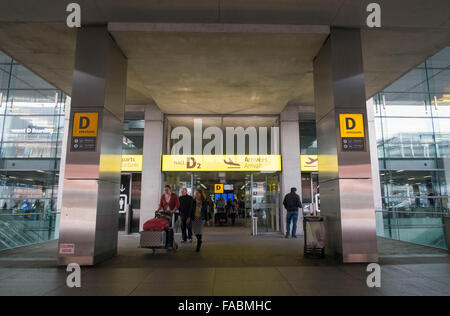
point(255, 197)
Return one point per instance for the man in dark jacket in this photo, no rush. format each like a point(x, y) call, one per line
point(292, 203)
point(186, 210)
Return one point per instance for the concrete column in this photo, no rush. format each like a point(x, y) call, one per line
point(375, 164)
point(345, 174)
point(89, 219)
point(290, 153)
point(151, 171)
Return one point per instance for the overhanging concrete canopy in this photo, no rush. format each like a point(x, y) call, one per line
point(234, 57)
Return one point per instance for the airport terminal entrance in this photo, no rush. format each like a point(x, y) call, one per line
point(238, 201)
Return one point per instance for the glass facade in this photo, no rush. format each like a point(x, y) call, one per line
point(31, 133)
point(413, 137)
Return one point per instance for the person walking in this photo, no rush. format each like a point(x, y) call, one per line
point(186, 209)
point(199, 217)
point(292, 203)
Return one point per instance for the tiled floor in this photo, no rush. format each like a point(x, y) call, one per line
point(229, 264)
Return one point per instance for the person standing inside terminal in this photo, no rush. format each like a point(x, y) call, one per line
point(292, 203)
point(199, 217)
point(186, 209)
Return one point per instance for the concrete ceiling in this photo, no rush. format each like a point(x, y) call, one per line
point(220, 73)
point(224, 72)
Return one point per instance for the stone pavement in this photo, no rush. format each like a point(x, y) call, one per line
point(230, 263)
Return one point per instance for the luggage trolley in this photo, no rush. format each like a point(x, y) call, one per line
point(159, 239)
point(314, 228)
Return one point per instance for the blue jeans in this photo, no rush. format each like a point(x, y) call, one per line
point(291, 216)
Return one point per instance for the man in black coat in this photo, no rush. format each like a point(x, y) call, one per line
point(292, 203)
point(186, 211)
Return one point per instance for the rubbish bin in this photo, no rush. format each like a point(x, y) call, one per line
point(447, 231)
point(315, 236)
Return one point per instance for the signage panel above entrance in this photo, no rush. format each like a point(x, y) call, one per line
point(256, 163)
point(132, 163)
point(309, 163)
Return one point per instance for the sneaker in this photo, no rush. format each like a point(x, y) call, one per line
point(287, 236)
point(183, 241)
point(294, 237)
point(190, 241)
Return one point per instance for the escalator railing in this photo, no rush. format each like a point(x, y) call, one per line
point(420, 227)
point(23, 229)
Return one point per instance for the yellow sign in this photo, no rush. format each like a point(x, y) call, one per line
point(132, 163)
point(309, 162)
point(266, 163)
point(218, 188)
point(85, 125)
point(352, 125)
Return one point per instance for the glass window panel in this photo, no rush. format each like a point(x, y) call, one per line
point(133, 139)
point(411, 137)
point(2, 120)
point(439, 80)
point(28, 150)
point(442, 128)
point(41, 102)
point(31, 128)
point(405, 104)
point(308, 138)
point(413, 81)
point(4, 58)
point(4, 76)
point(441, 105)
point(411, 190)
point(22, 78)
point(440, 60)
point(27, 190)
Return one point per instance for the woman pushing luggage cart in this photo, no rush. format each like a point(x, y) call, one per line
point(158, 232)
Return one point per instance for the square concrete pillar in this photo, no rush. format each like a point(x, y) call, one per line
point(89, 219)
point(345, 176)
point(151, 170)
point(290, 152)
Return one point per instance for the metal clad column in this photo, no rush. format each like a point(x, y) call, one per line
point(290, 153)
point(151, 172)
point(344, 163)
point(89, 219)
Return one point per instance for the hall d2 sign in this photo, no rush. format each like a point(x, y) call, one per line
point(268, 163)
point(352, 132)
point(84, 131)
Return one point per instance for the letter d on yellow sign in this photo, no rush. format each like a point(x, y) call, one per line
point(352, 125)
point(85, 124)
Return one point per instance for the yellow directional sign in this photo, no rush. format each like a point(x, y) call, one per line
point(218, 188)
point(352, 125)
point(85, 125)
point(248, 163)
point(132, 163)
